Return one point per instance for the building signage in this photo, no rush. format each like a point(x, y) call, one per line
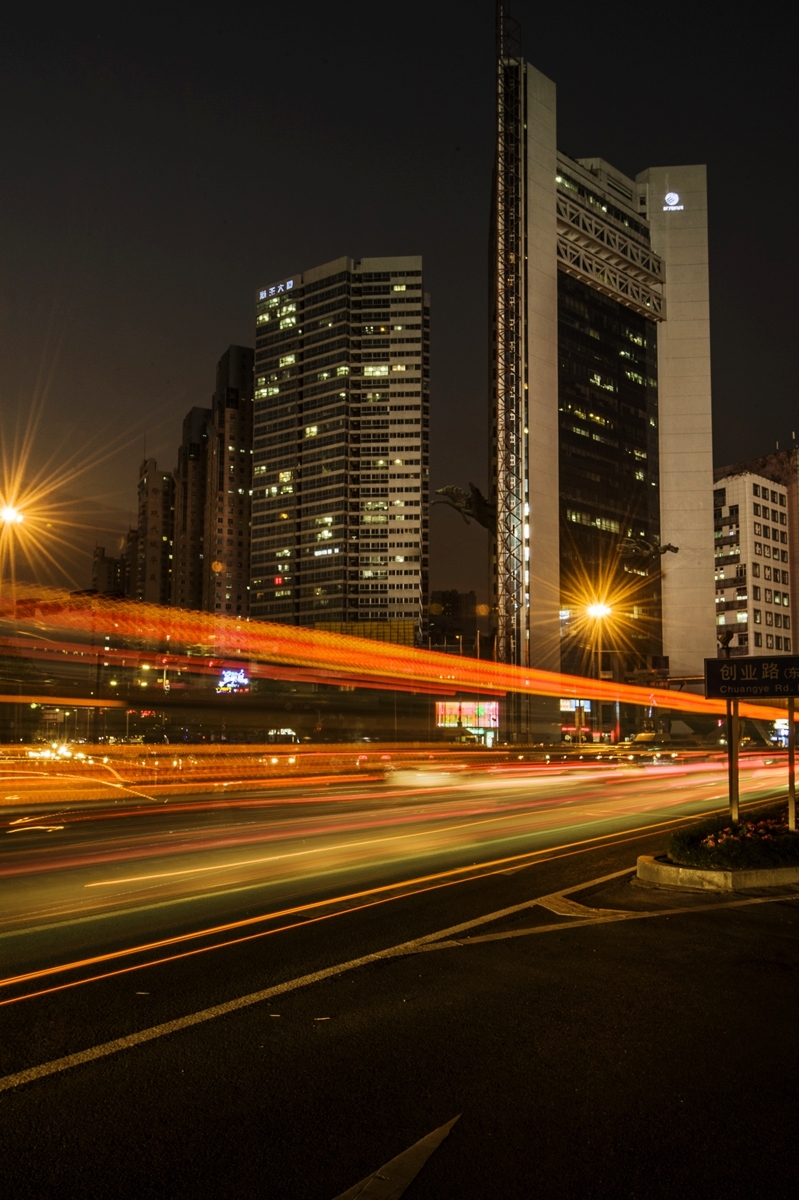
point(672, 202)
point(740, 678)
point(233, 681)
point(470, 714)
point(276, 289)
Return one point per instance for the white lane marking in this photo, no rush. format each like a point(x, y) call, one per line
point(558, 903)
point(389, 1182)
point(441, 940)
point(612, 918)
point(280, 989)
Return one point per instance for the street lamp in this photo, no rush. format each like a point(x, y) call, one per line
point(10, 515)
point(599, 613)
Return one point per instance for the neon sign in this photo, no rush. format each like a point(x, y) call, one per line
point(233, 681)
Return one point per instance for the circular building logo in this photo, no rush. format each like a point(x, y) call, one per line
point(672, 198)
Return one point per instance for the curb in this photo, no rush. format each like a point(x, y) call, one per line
point(653, 870)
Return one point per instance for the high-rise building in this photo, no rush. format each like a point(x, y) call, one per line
point(155, 534)
point(781, 468)
point(190, 484)
point(753, 570)
point(107, 573)
point(228, 487)
point(340, 476)
point(601, 430)
point(130, 564)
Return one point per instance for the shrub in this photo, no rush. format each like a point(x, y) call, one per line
point(761, 839)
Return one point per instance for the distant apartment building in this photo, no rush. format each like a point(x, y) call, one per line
point(108, 574)
point(341, 449)
point(190, 486)
point(752, 564)
point(225, 563)
point(781, 468)
point(155, 534)
point(130, 564)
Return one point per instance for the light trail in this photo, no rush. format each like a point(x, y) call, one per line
point(331, 657)
point(396, 842)
point(410, 887)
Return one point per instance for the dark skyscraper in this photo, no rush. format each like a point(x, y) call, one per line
point(228, 487)
point(340, 511)
point(190, 483)
point(155, 534)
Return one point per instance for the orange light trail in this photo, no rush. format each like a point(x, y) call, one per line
point(434, 882)
point(331, 656)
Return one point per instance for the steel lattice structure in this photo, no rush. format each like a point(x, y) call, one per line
point(509, 334)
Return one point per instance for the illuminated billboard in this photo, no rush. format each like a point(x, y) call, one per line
point(469, 714)
point(233, 681)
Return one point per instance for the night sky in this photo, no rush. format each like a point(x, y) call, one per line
point(160, 163)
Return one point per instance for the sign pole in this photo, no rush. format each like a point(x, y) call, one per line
point(732, 756)
point(791, 765)
point(752, 679)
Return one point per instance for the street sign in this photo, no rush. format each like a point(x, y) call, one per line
point(752, 678)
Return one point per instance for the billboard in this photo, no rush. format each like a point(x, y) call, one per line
point(469, 714)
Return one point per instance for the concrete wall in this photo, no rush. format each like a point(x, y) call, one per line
point(679, 236)
point(542, 372)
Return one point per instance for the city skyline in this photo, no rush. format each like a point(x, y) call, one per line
point(148, 346)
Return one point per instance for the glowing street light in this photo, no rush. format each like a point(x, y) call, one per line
point(599, 612)
point(10, 515)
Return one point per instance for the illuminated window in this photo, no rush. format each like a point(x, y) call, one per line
point(288, 360)
point(311, 430)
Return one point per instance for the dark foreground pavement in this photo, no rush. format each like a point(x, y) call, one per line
point(648, 1057)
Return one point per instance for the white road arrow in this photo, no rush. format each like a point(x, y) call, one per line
point(390, 1181)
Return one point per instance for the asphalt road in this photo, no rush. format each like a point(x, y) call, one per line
point(601, 1055)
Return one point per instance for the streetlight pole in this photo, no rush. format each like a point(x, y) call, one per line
point(599, 613)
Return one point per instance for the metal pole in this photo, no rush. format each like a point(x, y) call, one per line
point(732, 756)
point(791, 765)
point(598, 721)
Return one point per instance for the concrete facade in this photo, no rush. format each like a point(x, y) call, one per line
point(754, 590)
point(782, 468)
point(542, 541)
point(679, 236)
point(618, 453)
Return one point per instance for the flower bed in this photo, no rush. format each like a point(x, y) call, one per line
point(760, 840)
